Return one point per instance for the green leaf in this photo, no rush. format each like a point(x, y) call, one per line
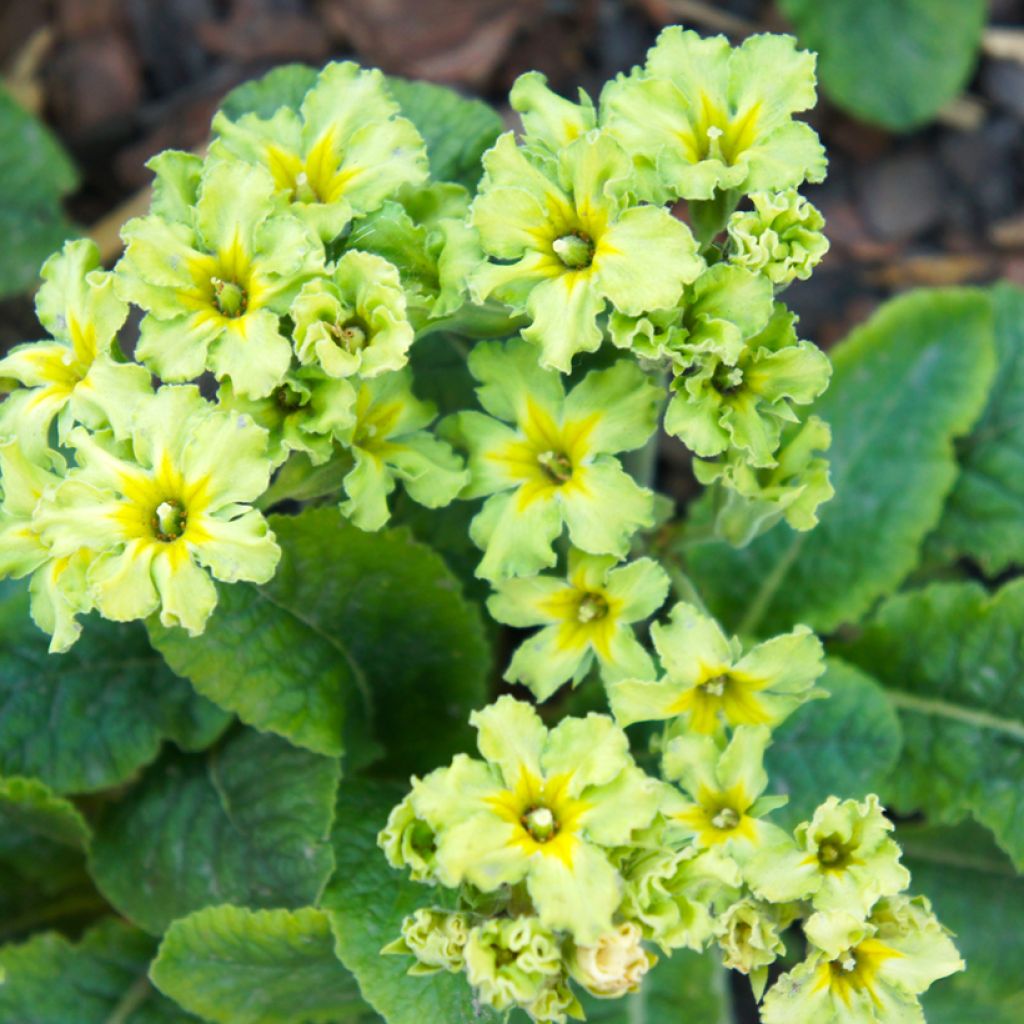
point(36, 173)
point(457, 131)
point(235, 966)
point(101, 980)
point(984, 518)
point(285, 86)
point(906, 384)
point(89, 719)
point(248, 823)
point(975, 893)
point(892, 62)
point(366, 901)
point(687, 986)
point(349, 614)
point(30, 808)
point(952, 659)
point(846, 744)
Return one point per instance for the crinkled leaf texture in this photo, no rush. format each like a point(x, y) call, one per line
point(952, 659)
point(906, 383)
point(893, 62)
point(977, 895)
point(237, 966)
point(100, 980)
point(352, 621)
point(247, 823)
point(30, 808)
point(36, 173)
point(366, 901)
point(91, 718)
point(847, 744)
point(984, 518)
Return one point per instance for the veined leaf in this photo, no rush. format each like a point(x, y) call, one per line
point(30, 808)
point(235, 966)
point(248, 823)
point(952, 658)
point(906, 383)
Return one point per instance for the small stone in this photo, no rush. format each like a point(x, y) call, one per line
point(902, 196)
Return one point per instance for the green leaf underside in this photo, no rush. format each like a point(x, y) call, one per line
point(349, 614)
point(952, 657)
point(977, 896)
point(893, 62)
point(366, 901)
point(36, 173)
point(247, 823)
point(846, 744)
point(906, 384)
point(101, 980)
point(235, 966)
point(984, 518)
point(89, 719)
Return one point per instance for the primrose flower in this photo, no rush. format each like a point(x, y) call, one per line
point(57, 585)
point(159, 507)
point(340, 155)
point(725, 787)
point(757, 499)
point(702, 116)
point(545, 458)
point(353, 321)
point(613, 966)
point(214, 272)
point(842, 859)
point(549, 121)
point(748, 936)
point(541, 808)
point(565, 240)
point(865, 972)
point(718, 405)
point(710, 680)
point(408, 842)
point(389, 442)
point(77, 376)
point(588, 614)
point(436, 938)
point(780, 238)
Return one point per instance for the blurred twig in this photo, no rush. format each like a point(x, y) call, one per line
point(707, 15)
point(22, 76)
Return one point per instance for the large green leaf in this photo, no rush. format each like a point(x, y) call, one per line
point(348, 615)
point(366, 901)
point(248, 823)
point(235, 966)
point(984, 518)
point(28, 808)
point(975, 893)
point(89, 719)
point(952, 658)
point(36, 173)
point(906, 384)
point(846, 744)
point(893, 62)
point(101, 980)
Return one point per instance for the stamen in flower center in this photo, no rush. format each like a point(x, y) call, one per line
point(715, 686)
point(726, 819)
point(592, 606)
point(230, 298)
point(576, 251)
point(540, 823)
point(169, 520)
point(556, 465)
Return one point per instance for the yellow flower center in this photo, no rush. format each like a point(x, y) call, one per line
point(541, 823)
point(834, 854)
point(856, 969)
point(352, 336)
point(230, 298)
point(593, 606)
point(726, 819)
point(169, 520)
point(557, 465)
point(575, 250)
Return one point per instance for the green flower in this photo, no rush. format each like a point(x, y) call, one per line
point(710, 680)
point(719, 405)
point(436, 938)
point(725, 786)
point(550, 122)
point(77, 376)
point(353, 321)
point(158, 508)
point(613, 966)
point(703, 116)
point(671, 892)
point(757, 499)
point(510, 961)
point(555, 1004)
point(588, 614)
point(215, 279)
point(780, 238)
point(553, 466)
point(748, 936)
point(842, 859)
point(340, 156)
point(565, 240)
point(389, 442)
point(408, 842)
point(57, 585)
point(541, 809)
point(865, 972)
